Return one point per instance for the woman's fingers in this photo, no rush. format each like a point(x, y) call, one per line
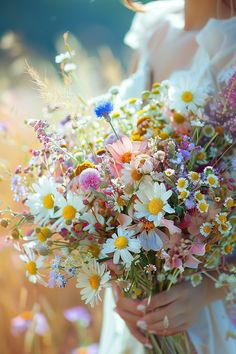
point(129, 305)
point(161, 299)
point(128, 317)
point(176, 324)
point(171, 310)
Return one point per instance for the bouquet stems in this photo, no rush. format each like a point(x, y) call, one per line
point(177, 344)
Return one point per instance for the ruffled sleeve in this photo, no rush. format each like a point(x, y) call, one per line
point(217, 42)
point(144, 24)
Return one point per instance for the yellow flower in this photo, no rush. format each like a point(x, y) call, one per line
point(229, 203)
point(83, 166)
point(182, 184)
point(198, 196)
point(206, 228)
point(203, 206)
point(194, 176)
point(212, 180)
point(184, 194)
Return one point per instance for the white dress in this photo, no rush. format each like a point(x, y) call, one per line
point(209, 53)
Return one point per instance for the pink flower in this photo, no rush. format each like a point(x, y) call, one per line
point(181, 253)
point(89, 178)
point(123, 150)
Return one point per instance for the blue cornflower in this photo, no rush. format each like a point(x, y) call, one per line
point(103, 109)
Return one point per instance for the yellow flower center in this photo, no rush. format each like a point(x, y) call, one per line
point(148, 225)
point(95, 250)
point(207, 229)
point(43, 234)
point(230, 203)
point(155, 206)
point(48, 201)
point(32, 268)
point(228, 248)
point(195, 176)
point(178, 118)
point(233, 237)
point(211, 180)
point(200, 156)
point(132, 100)
point(163, 135)
point(26, 315)
point(121, 242)
point(136, 175)
point(126, 157)
point(181, 183)
point(208, 248)
point(94, 281)
point(120, 201)
point(199, 196)
point(69, 212)
point(183, 194)
point(222, 218)
point(187, 96)
point(83, 166)
point(203, 207)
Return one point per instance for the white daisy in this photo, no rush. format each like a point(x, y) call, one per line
point(194, 176)
point(33, 266)
point(152, 202)
point(69, 210)
point(208, 131)
point(229, 203)
point(184, 194)
point(92, 278)
point(122, 245)
point(93, 218)
point(130, 174)
point(42, 203)
point(203, 206)
point(186, 95)
point(212, 180)
point(182, 184)
point(206, 228)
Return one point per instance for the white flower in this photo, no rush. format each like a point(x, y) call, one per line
point(194, 176)
point(92, 217)
point(69, 210)
point(203, 206)
point(206, 228)
point(186, 95)
point(69, 67)
point(64, 56)
point(121, 244)
point(212, 180)
point(130, 174)
point(92, 278)
point(33, 266)
point(197, 123)
point(182, 184)
point(42, 203)
point(152, 202)
point(208, 131)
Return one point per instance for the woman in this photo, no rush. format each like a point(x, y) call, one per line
point(195, 40)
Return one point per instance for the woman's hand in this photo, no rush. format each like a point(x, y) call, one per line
point(174, 311)
point(169, 312)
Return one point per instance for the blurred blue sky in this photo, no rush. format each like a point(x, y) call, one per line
point(93, 22)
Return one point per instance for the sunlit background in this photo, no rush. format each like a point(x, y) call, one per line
point(33, 318)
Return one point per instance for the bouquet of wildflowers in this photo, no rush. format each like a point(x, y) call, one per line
point(144, 184)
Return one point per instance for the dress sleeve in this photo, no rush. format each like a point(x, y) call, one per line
point(218, 44)
point(145, 23)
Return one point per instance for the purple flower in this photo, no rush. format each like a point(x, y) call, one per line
point(90, 178)
point(234, 163)
point(78, 314)
point(90, 349)
point(3, 127)
point(189, 204)
point(21, 323)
